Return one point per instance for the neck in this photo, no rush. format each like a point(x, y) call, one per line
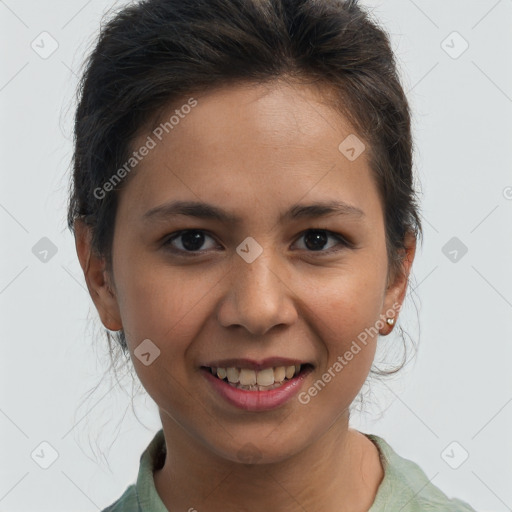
point(340, 471)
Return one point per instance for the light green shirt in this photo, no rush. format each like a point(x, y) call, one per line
point(404, 488)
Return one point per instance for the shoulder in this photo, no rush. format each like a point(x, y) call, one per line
point(406, 487)
point(126, 503)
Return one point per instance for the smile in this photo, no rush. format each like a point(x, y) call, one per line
point(258, 388)
point(252, 380)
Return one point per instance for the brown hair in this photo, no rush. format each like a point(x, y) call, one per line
point(154, 52)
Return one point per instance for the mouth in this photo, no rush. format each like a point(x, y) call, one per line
point(256, 377)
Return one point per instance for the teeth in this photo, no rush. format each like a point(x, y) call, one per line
point(233, 375)
point(252, 379)
point(265, 377)
point(279, 374)
point(247, 377)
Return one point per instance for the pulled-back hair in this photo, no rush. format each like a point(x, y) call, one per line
point(156, 52)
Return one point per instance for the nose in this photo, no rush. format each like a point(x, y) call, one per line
point(258, 296)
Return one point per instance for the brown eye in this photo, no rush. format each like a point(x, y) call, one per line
point(192, 240)
point(316, 240)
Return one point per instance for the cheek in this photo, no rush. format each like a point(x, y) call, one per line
point(347, 303)
point(346, 313)
point(347, 329)
point(161, 304)
point(168, 309)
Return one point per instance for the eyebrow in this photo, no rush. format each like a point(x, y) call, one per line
point(202, 210)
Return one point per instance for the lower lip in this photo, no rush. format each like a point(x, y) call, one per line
point(257, 400)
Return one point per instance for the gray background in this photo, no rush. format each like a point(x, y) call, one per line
point(459, 388)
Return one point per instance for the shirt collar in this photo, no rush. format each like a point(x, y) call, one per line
point(152, 459)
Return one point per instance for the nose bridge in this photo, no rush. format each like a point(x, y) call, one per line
point(258, 275)
point(257, 297)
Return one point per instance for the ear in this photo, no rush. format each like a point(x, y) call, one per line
point(395, 292)
point(97, 277)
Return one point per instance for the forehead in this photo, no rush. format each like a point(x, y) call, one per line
point(266, 144)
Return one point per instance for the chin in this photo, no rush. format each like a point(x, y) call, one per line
point(261, 449)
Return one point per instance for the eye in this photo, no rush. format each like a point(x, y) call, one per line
point(315, 240)
point(191, 240)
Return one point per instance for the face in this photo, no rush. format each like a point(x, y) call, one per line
point(276, 283)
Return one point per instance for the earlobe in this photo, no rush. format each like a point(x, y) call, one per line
point(97, 277)
point(395, 293)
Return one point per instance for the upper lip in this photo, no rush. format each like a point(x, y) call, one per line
point(269, 362)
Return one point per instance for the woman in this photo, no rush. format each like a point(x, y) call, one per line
point(245, 218)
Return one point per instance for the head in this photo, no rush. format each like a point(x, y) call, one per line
point(255, 108)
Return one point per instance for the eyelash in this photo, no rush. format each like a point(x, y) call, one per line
point(167, 243)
